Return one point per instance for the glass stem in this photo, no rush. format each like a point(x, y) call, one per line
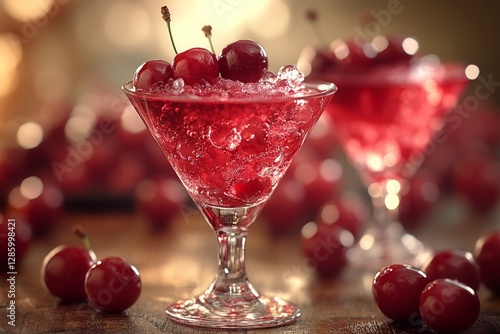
point(231, 285)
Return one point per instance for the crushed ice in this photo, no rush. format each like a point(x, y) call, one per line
point(287, 81)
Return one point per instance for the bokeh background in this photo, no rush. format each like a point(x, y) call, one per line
point(62, 63)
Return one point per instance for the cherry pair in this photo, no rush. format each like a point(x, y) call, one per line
point(74, 274)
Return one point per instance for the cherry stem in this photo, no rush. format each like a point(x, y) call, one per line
point(79, 231)
point(312, 17)
point(208, 34)
point(165, 14)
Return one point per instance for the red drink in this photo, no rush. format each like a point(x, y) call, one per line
point(386, 117)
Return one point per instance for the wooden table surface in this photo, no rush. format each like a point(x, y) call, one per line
point(182, 262)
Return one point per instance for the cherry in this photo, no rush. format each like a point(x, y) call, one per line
point(39, 203)
point(349, 213)
point(112, 284)
point(394, 49)
point(320, 179)
point(453, 264)
point(351, 54)
point(417, 199)
point(396, 290)
point(243, 60)
point(63, 272)
point(487, 252)
point(448, 306)
point(475, 178)
point(17, 235)
point(326, 247)
point(195, 66)
point(160, 199)
point(284, 210)
point(151, 72)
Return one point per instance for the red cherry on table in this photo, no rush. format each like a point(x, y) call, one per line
point(397, 289)
point(160, 200)
point(325, 247)
point(195, 66)
point(487, 255)
point(112, 284)
point(15, 240)
point(476, 179)
point(63, 272)
point(454, 264)
point(243, 60)
point(448, 306)
point(151, 72)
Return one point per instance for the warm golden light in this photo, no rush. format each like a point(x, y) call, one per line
point(472, 72)
point(273, 21)
point(127, 24)
point(131, 122)
point(11, 56)
point(391, 201)
point(27, 10)
point(330, 213)
point(31, 187)
point(29, 135)
point(410, 45)
point(309, 230)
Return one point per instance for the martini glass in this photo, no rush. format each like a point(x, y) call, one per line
point(230, 154)
point(385, 118)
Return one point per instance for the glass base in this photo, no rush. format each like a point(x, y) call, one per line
point(379, 248)
point(207, 311)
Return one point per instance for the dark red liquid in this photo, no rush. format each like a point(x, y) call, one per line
point(233, 152)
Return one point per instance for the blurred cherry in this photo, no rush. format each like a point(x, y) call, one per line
point(347, 212)
point(487, 252)
point(160, 200)
point(320, 179)
point(284, 211)
point(418, 197)
point(39, 202)
point(476, 179)
point(129, 170)
point(325, 247)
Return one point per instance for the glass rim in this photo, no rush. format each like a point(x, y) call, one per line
point(315, 89)
point(447, 72)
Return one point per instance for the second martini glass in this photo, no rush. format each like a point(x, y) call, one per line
point(230, 154)
point(385, 118)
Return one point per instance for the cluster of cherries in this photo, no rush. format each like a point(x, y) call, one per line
point(242, 60)
point(360, 54)
point(74, 274)
point(443, 292)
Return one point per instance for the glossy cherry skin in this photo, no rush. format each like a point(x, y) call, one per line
point(243, 60)
point(151, 72)
point(487, 255)
point(195, 66)
point(448, 306)
point(325, 247)
point(63, 272)
point(454, 264)
point(396, 290)
point(112, 285)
